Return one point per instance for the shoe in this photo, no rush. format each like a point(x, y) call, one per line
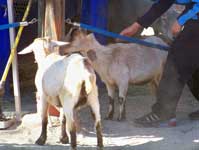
point(153, 120)
point(194, 115)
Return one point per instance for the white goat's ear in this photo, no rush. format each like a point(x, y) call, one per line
point(26, 50)
point(58, 43)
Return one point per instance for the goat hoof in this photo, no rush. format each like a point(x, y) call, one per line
point(64, 140)
point(41, 141)
point(100, 148)
point(109, 117)
point(73, 148)
point(121, 118)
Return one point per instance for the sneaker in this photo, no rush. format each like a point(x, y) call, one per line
point(153, 120)
point(194, 115)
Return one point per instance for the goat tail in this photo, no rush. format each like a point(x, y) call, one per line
point(70, 121)
point(89, 83)
point(90, 79)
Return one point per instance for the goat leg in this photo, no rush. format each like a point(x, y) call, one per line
point(64, 137)
point(122, 109)
point(96, 116)
point(42, 139)
point(99, 135)
point(111, 109)
point(73, 137)
point(44, 115)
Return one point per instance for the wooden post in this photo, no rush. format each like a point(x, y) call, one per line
point(51, 15)
point(41, 17)
point(54, 19)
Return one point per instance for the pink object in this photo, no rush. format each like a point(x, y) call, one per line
point(53, 111)
point(172, 122)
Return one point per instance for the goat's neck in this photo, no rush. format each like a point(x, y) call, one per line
point(47, 60)
point(104, 53)
point(104, 57)
point(40, 63)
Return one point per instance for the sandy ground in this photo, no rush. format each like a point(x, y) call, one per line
point(117, 135)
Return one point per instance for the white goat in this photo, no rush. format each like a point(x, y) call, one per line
point(64, 81)
point(119, 64)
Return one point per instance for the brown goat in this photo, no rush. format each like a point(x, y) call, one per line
point(119, 65)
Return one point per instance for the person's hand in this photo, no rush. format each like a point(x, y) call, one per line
point(131, 30)
point(176, 28)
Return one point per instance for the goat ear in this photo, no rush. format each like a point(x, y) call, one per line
point(91, 37)
point(58, 43)
point(92, 55)
point(69, 35)
point(26, 50)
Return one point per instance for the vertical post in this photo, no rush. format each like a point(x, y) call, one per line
point(41, 17)
point(14, 64)
point(54, 19)
point(53, 22)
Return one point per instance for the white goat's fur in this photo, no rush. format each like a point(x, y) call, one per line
point(59, 80)
point(121, 64)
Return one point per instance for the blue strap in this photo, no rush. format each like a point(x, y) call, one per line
point(17, 24)
point(7, 26)
point(125, 38)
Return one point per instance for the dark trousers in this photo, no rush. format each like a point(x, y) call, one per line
point(180, 68)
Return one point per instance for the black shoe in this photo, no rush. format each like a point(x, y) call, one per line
point(153, 120)
point(194, 115)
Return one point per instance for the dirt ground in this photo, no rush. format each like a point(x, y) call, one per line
point(117, 135)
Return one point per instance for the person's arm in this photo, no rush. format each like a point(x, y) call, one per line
point(190, 14)
point(157, 9)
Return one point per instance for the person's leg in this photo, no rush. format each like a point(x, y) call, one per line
point(177, 71)
point(193, 85)
point(168, 94)
point(184, 57)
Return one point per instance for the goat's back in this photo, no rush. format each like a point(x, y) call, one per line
point(52, 74)
point(141, 62)
point(65, 73)
point(78, 71)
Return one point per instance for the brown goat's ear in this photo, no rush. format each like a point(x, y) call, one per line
point(91, 37)
point(92, 55)
point(75, 33)
point(69, 35)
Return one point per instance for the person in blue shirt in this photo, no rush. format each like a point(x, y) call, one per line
point(182, 65)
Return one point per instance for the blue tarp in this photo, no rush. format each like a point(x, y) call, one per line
point(95, 12)
point(4, 40)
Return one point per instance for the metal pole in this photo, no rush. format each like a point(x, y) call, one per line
point(41, 17)
point(14, 64)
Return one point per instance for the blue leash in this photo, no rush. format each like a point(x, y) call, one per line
point(118, 36)
point(17, 24)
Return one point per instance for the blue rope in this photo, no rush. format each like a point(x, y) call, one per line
point(118, 36)
point(7, 26)
point(17, 24)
